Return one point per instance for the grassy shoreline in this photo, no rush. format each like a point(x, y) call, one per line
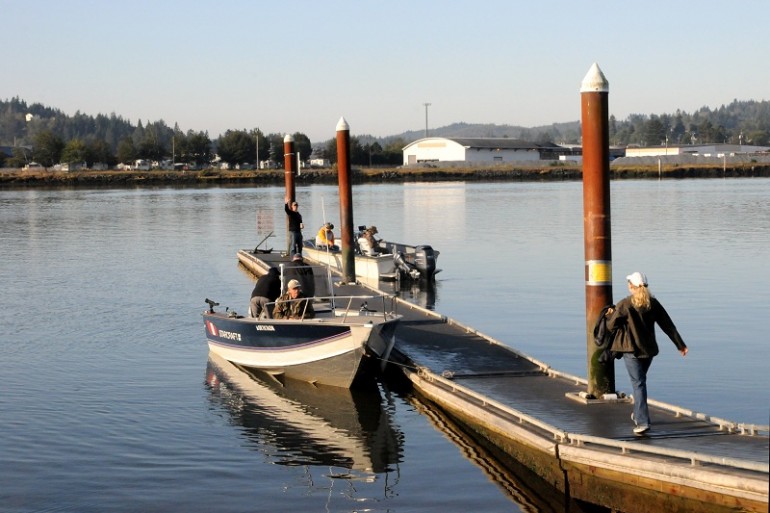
point(19, 178)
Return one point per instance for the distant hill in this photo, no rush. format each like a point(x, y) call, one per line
point(490, 130)
point(740, 122)
point(566, 133)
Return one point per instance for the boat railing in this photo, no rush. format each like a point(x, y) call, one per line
point(344, 307)
point(359, 306)
point(319, 274)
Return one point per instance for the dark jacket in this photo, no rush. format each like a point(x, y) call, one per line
point(295, 218)
point(268, 285)
point(303, 273)
point(641, 326)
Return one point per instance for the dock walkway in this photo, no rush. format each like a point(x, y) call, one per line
point(689, 461)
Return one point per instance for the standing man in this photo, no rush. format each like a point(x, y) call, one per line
point(295, 226)
point(298, 270)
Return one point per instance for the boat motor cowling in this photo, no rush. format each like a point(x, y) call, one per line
point(425, 260)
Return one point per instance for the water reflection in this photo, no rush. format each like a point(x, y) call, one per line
point(301, 424)
point(528, 491)
point(419, 292)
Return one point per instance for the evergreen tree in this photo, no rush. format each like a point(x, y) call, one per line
point(47, 148)
point(126, 151)
point(74, 151)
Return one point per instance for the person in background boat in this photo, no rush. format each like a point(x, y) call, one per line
point(298, 270)
point(369, 245)
point(295, 226)
point(638, 313)
point(293, 304)
point(267, 290)
point(325, 237)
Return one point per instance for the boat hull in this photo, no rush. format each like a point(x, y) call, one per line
point(373, 268)
point(314, 350)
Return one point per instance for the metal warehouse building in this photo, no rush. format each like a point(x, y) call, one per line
point(491, 150)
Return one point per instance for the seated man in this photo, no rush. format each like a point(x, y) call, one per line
point(293, 304)
point(368, 244)
point(325, 237)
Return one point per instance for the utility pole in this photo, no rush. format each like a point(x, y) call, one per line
point(426, 118)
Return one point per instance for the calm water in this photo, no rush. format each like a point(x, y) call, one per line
point(109, 402)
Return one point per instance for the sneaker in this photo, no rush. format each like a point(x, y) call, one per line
point(633, 419)
point(640, 430)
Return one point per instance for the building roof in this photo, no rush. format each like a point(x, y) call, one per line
point(497, 143)
point(494, 143)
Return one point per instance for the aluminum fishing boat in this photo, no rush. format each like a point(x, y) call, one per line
point(344, 338)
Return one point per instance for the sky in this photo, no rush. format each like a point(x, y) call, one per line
point(300, 66)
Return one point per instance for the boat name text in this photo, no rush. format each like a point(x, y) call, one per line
point(230, 335)
point(265, 327)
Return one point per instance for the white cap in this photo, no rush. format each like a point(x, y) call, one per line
point(293, 284)
point(637, 279)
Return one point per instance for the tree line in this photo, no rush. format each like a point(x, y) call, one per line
point(36, 133)
point(42, 134)
point(740, 122)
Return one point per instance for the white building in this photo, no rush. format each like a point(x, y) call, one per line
point(702, 150)
point(477, 150)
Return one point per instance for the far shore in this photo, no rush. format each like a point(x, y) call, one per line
point(11, 178)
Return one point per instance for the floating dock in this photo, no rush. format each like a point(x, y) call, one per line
point(522, 408)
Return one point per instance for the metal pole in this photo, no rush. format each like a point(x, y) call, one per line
point(288, 174)
point(346, 202)
point(426, 118)
point(594, 92)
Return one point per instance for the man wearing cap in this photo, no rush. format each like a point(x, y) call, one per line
point(325, 237)
point(293, 304)
point(295, 225)
point(637, 314)
point(368, 244)
point(297, 269)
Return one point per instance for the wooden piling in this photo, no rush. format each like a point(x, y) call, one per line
point(289, 172)
point(346, 202)
point(594, 92)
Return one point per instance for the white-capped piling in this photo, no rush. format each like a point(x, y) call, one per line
point(346, 201)
point(594, 93)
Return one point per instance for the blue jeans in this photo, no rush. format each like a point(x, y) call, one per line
point(295, 243)
point(637, 372)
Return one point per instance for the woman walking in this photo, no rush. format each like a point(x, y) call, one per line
point(638, 313)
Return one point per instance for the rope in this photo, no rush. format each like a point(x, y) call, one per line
point(402, 365)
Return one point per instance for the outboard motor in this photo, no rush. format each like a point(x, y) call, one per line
point(405, 267)
point(425, 261)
